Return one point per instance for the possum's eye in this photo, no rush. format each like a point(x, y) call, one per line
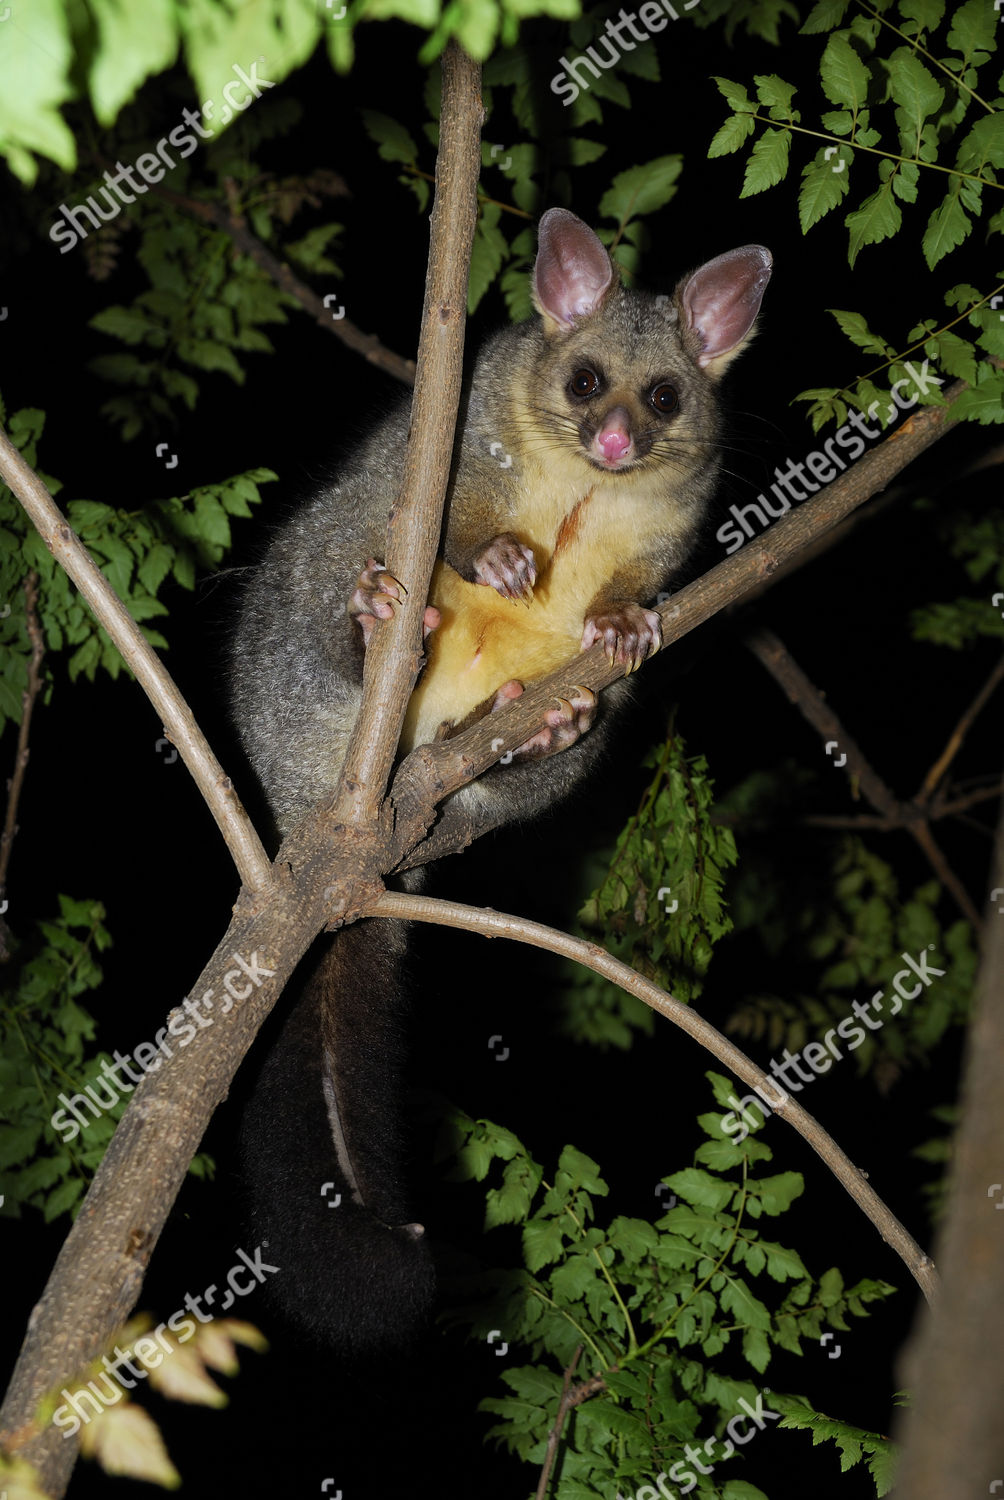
point(664, 398)
point(584, 383)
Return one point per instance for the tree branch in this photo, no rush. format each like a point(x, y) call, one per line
point(592, 956)
point(233, 224)
point(394, 652)
point(554, 1436)
point(953, 1435)
point(771, 652)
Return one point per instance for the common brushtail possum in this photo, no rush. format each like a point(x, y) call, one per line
point(587, 454)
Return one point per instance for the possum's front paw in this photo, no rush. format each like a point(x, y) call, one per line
point(506, 566)
point(374, 598)
point(569, 719)
point(628, 632)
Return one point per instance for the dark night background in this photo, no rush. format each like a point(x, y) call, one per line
point(104, 816)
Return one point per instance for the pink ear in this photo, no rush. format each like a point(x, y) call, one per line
point(573, 271)
point(721, 300)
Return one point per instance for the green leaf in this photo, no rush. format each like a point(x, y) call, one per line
point(36, 55)
point(735, 96)
point(948, 226)
point(878, 218)
point(641, 190)
point(825, 15)
point(842, 73)
point(768, 162)
point(775, 95)
point(488, 252)
point(393, 141)
point(732, 135)
point(132, 45)
point(985, 403)
point(855, 328)
point(972, 32)
point(916, 92)
point(926, 14)
point(822, 189)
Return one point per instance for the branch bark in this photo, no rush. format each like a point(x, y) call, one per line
point(394, 652)
point(953, 1435)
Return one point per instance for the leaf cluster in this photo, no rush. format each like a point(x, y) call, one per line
point(677, 1320)
point(904, 78)
point(660, 905)
point(137, 551)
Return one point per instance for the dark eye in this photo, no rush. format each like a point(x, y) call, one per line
point(664, 398)
point(583, 383)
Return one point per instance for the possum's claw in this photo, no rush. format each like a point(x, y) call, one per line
point(374, 599)
point(569, 719)
point(628, 632)
point(508, 567)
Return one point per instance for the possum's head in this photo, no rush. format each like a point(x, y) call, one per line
point(628, 377)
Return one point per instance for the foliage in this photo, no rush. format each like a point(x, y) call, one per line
point(908, 94)
point(45, 1057)
point(854, 940)
point(653, 1308)
point(121, 1436)
point(660, 906)
point(52, 53)
point(137, 551)
point(977, 542)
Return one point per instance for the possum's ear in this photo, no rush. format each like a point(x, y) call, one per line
point(718, 304)
point(573, 272)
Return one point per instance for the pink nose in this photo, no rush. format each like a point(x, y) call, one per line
point(613, 440)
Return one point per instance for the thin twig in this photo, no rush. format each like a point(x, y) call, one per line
point(958, 734)
point(501, 924)
point(554, 1436)
point(233, 224)
point(911, 816)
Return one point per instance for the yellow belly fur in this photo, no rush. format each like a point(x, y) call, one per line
point(482, 642)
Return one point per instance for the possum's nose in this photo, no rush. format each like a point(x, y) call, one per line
point(613, 441)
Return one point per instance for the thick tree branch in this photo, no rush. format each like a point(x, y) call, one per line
point(175, 714)
point(592, 956)
point(954, 1437)
point(394, 652)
